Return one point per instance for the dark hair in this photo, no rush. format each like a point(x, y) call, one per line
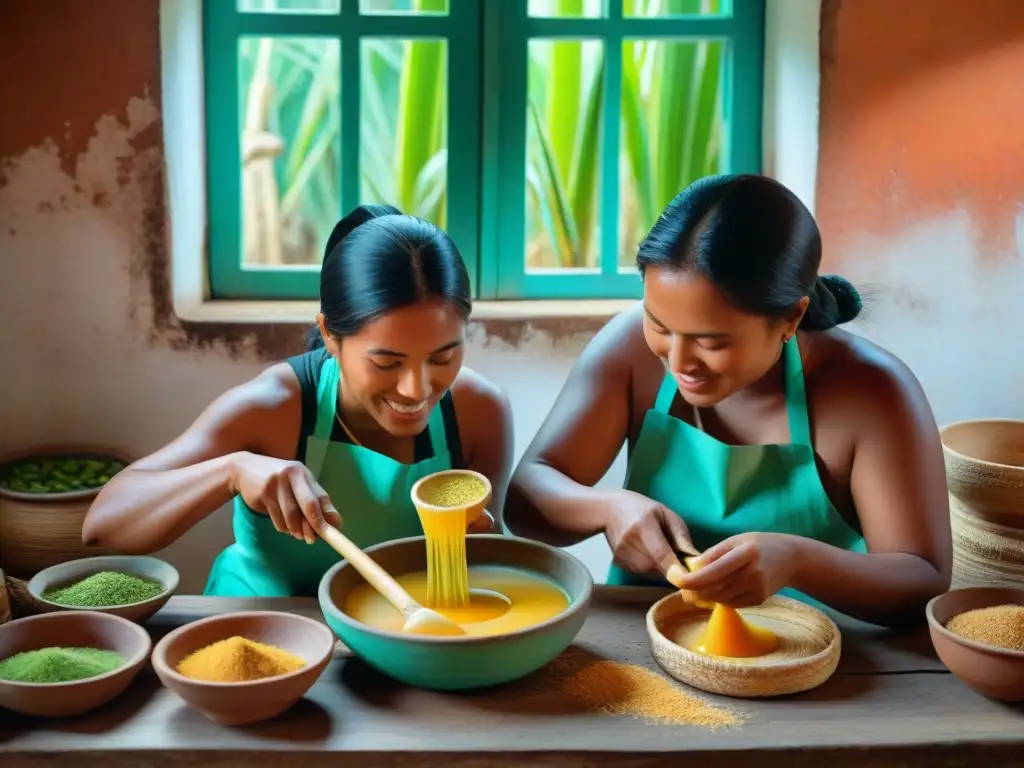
point(757, 243)
point(378, 260)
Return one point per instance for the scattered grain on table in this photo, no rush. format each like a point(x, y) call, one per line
point(579, 682)
point(1001, 626)
point(59, 665)
point(105, 588)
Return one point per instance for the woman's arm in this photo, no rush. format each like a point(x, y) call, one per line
point(551, 497)
point(486, 429)
point(155, 500)
point(898, 485)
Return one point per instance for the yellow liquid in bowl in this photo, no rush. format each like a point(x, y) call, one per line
point(532, 599)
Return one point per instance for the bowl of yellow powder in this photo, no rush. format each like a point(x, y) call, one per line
point(978, 633)
point(246, 667)
point(132, 587)
point(69, 663)
point(526, 603)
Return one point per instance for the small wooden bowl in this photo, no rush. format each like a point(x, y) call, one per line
point(747, 678)
point(66, 574)
point(994, 672)
point(247, 702)
point(77, 628)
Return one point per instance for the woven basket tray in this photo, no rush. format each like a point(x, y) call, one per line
point(809, 649)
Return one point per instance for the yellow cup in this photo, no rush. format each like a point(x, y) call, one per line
point(424, 493)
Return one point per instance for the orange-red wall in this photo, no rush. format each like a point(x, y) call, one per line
point(922, 113)
point(921, 187)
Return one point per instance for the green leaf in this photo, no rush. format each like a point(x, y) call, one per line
point(585, 170)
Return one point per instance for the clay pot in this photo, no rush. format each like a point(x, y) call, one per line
point(985, 475)
point(39, 530)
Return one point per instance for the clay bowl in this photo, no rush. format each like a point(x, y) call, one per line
point(257, 700)
point(997, 673)
point(66, 574)
point(804, 665)
point(73, 628)
point(466, 662)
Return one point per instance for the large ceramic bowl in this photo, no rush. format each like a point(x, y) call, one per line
point(65, 574)
point(459, 663)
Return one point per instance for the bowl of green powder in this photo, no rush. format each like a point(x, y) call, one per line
point(64, 664)
point(132, 587)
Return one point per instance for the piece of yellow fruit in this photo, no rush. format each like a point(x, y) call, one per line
point(728, 633)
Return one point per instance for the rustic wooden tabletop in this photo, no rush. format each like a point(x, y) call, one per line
point(891, 702)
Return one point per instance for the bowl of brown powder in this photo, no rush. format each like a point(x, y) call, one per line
point(978, 633)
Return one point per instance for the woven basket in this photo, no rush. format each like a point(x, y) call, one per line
point(6, 614)
point(748, 678)
point(38, 530)
point(985, 475)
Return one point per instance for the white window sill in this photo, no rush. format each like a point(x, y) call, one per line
point(304, 312)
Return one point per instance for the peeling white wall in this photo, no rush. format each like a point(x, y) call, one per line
point(79, 364)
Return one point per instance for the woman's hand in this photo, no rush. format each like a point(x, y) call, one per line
point(286, 492)
point(645, 535)
point(744, 570)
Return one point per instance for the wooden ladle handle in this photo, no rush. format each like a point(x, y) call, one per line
point(378, 578)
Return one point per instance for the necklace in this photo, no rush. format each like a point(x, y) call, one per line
point(347, 431)
point(344, 426)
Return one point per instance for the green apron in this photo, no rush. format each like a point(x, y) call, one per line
point(722, 490)
point(370, 490)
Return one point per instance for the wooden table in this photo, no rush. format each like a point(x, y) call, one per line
point(891, 702)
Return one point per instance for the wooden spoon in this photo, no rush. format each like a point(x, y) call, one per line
point(418, 619)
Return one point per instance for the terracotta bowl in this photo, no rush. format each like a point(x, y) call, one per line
point(994, 672)
point(815, 635)
point(73, 628)
point(65, 574)
point(248, 702)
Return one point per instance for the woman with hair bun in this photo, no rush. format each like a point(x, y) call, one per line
point(793, 456)
point(337, 435)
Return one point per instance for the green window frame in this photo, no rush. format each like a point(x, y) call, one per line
point(487, 45)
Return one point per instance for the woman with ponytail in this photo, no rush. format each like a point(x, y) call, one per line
point(793, 456)
point(335, 436)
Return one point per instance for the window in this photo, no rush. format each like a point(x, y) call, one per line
point(544, 135)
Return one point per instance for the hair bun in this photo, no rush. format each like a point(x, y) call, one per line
point(848, 300)
point(353, 220)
